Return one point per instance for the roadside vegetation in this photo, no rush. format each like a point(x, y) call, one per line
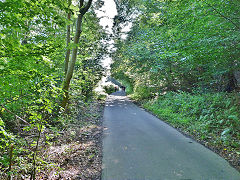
point(180, 60)
point(109, 89)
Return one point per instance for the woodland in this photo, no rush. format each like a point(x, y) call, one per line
point(179, 60)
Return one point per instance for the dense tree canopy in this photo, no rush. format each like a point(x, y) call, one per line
point(182, 45)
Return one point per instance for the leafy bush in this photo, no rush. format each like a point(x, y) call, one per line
point(142, 92)
point(101, 97)
point(109, 89)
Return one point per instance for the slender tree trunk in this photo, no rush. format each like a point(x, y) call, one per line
point(68, 39)
point(10, 162)
point(33, 175)
point(71, 64)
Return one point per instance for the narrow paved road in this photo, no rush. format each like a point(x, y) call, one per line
point(138, 146)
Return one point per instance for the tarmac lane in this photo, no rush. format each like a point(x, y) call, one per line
point(139, 146)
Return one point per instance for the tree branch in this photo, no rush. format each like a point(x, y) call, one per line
point(228, 19)
point(85, 9)
point(14, 114)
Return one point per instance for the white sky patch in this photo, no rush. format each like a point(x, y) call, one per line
point(107, 13)
point(107, 62)
point(125, 29)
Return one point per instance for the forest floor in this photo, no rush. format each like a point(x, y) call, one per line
point(77, 151)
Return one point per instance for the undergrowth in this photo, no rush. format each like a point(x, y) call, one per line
point(17, 150)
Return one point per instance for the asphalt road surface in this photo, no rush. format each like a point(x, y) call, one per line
point(139, 146)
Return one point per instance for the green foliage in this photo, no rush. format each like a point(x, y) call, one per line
point(29, 74)
point(214, 116)
point(142, 91)
point(5, 141)
point(128, 85)
point(32, 51)
point(181, 45)
point(125, 80)
point(109, 89)
point(100, 97)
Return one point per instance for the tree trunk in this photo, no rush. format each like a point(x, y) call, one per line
point(71, 64)
point(68, 40)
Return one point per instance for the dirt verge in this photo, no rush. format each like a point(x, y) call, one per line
point(77, 151)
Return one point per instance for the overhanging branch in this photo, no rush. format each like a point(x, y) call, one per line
point(85, 9)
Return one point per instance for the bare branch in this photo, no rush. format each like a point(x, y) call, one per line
point(14, 114)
